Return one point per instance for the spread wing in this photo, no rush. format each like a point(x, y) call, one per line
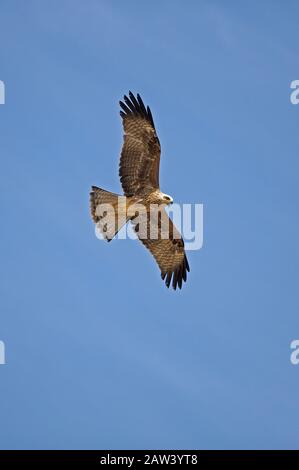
point(140, 154)
point(161, 237)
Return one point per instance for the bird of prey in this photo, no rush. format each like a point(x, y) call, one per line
point(139, 176)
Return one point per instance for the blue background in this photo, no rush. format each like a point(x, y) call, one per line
point(100, 354)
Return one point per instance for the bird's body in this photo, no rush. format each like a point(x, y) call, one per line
point(143, 199)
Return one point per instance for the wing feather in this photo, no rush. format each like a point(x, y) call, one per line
point(140, 154)
point(167, 247)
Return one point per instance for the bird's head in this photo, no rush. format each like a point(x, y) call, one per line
point(166, 199)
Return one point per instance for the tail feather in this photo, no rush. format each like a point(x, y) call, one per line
point(108, 211)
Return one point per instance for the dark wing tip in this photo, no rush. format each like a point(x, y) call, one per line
point(125, 108)
point(150, 117)
point(186, 263)
point(135, 106)
point(168, 278)
point(177, 276)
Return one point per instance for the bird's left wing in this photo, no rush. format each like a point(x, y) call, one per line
point(160, 236)
point(140, 154)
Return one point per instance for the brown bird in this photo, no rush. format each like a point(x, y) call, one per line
point(142, 200)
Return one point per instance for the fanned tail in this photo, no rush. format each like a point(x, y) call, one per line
point(108, 210)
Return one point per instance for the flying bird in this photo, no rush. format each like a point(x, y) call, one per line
point(139, 176)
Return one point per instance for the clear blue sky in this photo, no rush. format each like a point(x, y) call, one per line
point(100, 354)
